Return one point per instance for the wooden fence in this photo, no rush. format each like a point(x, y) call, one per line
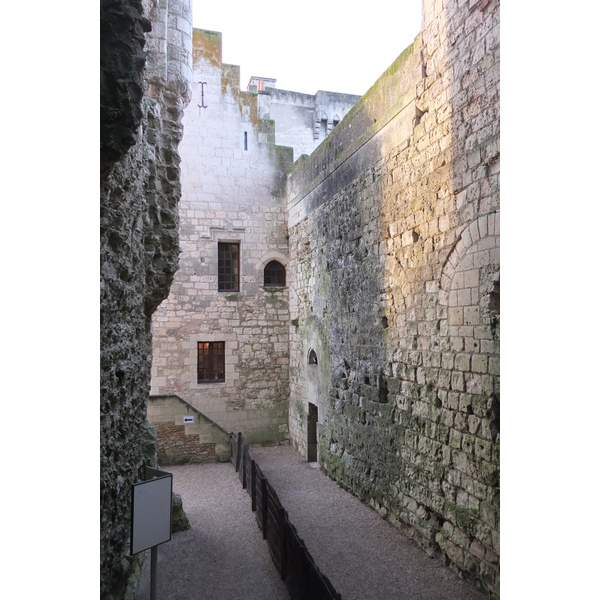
point(290, 556)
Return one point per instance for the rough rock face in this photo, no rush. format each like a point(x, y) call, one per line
point(139, 192)
point(122, 60)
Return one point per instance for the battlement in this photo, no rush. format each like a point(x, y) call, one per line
point(301, 121)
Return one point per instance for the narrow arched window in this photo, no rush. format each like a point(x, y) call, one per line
point(274, 274)
point(312, 357)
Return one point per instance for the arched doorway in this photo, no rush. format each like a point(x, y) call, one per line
point(312, 417)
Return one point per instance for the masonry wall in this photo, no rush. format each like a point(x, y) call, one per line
point(394, 230)
point(233, 190)
point(145, 69)
point(186, 435)
point(303, 121)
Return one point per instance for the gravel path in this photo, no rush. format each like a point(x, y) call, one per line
point(223, 556)
point(364, 557)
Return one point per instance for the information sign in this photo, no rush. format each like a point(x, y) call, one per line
point(151, 510)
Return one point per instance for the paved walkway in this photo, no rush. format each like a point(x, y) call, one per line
point(223, 555)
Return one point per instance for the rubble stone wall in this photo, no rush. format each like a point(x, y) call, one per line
point(394, 229)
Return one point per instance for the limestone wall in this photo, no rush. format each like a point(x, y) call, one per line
point(185, 435)
point(394, 284)
point(140, 132)
point(303, 121)
point(233, 181)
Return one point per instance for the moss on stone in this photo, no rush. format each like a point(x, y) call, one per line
point(464, 518)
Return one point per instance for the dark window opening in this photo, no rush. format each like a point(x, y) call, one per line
point(495, 299)
point(229, 267)
point(312, 358)
point(245, 140)
point(383, 390)
point(323, 128)
point(274, 274)
point(211, 362)
point(494, 308)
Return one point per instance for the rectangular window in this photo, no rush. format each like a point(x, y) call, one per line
point(211, 362)
point(229, 267)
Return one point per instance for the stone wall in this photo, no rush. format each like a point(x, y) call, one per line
point(303, 121)
point(233, 190)
point(394, 292)
point(141, 109)
point(196, 440)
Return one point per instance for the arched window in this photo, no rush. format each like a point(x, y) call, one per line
point(274, 274)
point(312, 357)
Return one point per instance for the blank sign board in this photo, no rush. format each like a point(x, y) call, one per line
point(151, 510)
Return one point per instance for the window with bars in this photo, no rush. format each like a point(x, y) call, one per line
point(229, 267)
point(211, 362)
point(274, 275)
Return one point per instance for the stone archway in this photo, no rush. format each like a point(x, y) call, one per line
point(312, 415)
point(469, 298)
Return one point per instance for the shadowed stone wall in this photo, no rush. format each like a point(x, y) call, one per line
point(141, 108)
point(185, 435)
point(394, 284)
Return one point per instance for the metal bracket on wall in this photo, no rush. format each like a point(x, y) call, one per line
point(201, 106)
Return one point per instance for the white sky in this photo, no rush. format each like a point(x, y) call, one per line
point(312, 45)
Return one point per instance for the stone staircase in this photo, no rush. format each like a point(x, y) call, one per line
point(184, 434)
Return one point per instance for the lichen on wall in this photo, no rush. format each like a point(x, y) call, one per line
point(140, 133)
point(394, 259)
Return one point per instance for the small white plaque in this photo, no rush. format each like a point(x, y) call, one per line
point(187, 420)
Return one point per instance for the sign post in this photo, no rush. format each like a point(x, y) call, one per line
point(151, 517)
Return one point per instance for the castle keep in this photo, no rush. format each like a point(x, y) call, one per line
point(338, 284)
point(221, 339)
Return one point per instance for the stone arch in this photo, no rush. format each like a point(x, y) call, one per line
point(469, 300)
point(313, 399)
point(272, 255)
point(267, 258)
point(479, 240)
point(274, 274)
